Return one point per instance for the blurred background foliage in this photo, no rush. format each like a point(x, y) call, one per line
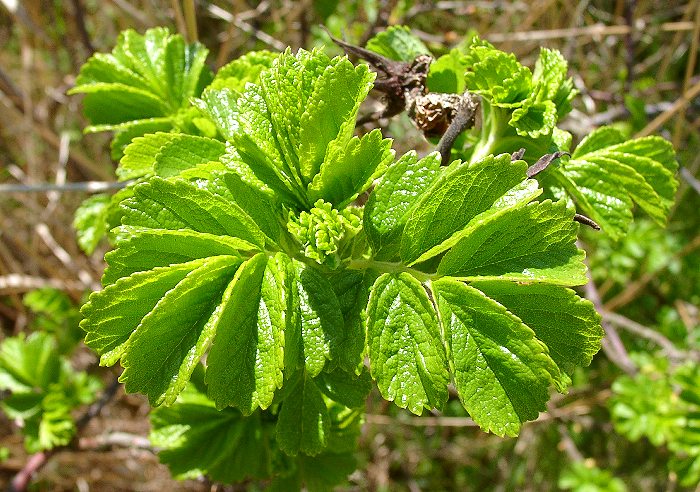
point(631, 420)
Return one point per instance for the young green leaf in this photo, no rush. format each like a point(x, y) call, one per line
point(244, 366)
point(397, 43)
point(329, 115)
point(502, 372)
point(453, 200)
point(407, 358)
point(394, 198)
point(111, 315)
point(350, 168)
point(534, 243)
point(303, 424)
point(447, 73)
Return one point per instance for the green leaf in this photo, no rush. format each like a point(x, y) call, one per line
point(550, 73)
point(246, 69)
point(261, 207)
point(140, 155)
point(606, 174)
point(185, 151)
point(325, 471)
point(303, 424)
point(390, 205)
point(126, 133)
point(534, 118)
point(329, 116)
point(518, 196)
point(534, 243)
point(347, 389)
point(496, 75)
point(220, 107)
point(111, 315)
point(566, 323)
point(140, 249)
point(453, 200)
point(320, 318)
point(502, 372)
point(407, 358)
point(143, 86)
point(254, 147)
point(550, 78)
point(447, 73)
point(45, 390)
point(177, 204)
point(197, 439)
point(168, 342)
point(352, 290)
point(28, 363)
point(248, 346)
point(90, 221)
point(56, 427)
point(351, 169)
point(397, 43)
point(111, 104)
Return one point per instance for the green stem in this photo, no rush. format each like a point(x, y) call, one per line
point(390, 267)
point(492, 128)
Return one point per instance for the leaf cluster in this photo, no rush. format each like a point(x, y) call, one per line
point(258, 269)
point(43, 390)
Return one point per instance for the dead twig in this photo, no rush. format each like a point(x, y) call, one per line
point(612, 344)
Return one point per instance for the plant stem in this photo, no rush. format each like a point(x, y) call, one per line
point(190, 21)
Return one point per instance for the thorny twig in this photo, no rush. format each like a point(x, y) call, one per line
point(404, 87)
point(544, 162)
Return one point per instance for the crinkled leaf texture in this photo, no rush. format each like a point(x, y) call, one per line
point(486, 298)
point(44, 389)
point(434, 284)
point(608, 173)
point(143, 86)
